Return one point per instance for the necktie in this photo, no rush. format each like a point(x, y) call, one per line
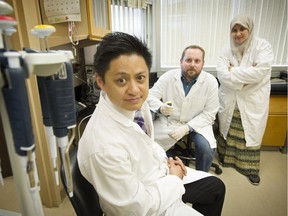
point(140, 120)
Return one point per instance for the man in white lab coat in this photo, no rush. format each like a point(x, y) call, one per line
point(193, 94)
point(129, 171)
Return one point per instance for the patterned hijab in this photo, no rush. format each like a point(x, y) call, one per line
point(239, 49)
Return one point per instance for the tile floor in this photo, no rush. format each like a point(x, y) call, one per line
point(242, 198)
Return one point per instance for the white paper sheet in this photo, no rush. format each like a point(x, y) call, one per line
point(194, 175)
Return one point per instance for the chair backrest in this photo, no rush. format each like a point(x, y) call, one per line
point(85, 200)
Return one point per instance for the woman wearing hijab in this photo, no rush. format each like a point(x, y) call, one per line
point(244, 71)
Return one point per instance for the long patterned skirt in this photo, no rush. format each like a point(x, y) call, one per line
point(233, 152)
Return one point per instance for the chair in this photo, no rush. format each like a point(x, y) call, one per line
point(184, 149)
point(85, 200)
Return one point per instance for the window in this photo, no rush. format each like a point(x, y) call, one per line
point(132, 17)
point(206, 23)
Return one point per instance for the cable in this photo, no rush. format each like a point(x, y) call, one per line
point(79, 125)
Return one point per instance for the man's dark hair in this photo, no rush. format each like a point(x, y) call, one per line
point(193, 47)
point(116, 44)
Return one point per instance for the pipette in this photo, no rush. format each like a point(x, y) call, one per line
point(15, 112)
point(5, 8)
point(43, 31)
point(16, 100)
point(5, 23)
point(17, 105)
point(61, 99)
point(57, 102)
point(6, 35)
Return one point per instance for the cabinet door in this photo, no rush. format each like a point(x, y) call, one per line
point(99, 18)
point(276, 130)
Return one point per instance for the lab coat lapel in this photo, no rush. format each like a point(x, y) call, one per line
point(148, 120)
point(178, 85)
point(123, 120)
point(196, 86)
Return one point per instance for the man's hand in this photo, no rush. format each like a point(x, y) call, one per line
point(179, 132)
point(176, 167)
point(179, 162)
point(166, 109)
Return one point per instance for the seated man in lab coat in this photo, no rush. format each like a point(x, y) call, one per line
point(119, 157)
point(187, 100)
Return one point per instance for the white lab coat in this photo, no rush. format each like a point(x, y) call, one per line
point(249, 85)
point(198, 109)
point(127, 168)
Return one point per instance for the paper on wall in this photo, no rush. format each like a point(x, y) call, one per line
point(58, 11)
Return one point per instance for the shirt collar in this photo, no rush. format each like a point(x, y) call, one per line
point(126, 113)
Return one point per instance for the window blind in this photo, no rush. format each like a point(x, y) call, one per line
point(206, 23)
point(132, 17)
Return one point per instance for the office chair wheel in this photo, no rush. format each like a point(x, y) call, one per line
point(218, 171)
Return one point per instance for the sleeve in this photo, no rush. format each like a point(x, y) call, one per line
point(156, 93)
point(223, 74)
point(258, 68)
point(124, 193)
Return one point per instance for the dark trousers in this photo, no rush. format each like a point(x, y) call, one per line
point(206, 195)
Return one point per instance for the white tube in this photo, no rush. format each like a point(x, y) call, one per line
point(53, 151)
point(63, 145)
